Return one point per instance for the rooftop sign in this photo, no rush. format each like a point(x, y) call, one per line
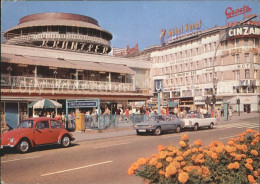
point(233, 13)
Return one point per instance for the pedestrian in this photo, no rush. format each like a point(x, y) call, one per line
point(94, 117)
point(222, 112)
point(230, 113)
point(205, 113)
point(58, 117)
point(127, 114)
point(218, 114)
point(117, 113)
point(63, 119)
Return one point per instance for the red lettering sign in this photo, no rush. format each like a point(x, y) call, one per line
point(232, 13)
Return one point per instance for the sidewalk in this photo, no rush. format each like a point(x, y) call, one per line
point(129, 130)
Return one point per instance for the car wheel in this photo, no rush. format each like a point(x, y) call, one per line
point(65, 141)
point(178, 129)
point(23, 146)
point(211, 125)
point(196, 126)
point(158, 131)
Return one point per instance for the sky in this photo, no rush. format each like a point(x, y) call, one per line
point(132, 22)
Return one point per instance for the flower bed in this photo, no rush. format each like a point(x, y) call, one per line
point(236, 162)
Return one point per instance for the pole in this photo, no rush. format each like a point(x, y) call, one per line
point(159, 103)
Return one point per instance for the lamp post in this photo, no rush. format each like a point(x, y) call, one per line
point(214, 60)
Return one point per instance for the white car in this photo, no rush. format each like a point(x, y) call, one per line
point(196, 121)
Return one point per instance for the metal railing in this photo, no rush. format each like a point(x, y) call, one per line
point(63, 84)
point(17, 38)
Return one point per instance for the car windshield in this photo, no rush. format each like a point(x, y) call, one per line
point(26, 124)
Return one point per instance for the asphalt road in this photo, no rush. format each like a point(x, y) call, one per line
point(103, 161)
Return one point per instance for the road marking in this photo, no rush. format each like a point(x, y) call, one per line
point(77, 168)
point(113, 145)
point(21, 159)
point(228, 137)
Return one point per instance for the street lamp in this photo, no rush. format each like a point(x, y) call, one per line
point(214, 60)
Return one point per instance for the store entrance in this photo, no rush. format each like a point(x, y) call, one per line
point(247, 108)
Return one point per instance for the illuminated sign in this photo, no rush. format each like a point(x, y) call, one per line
point(158, 85)
point(243, 31)
point(233, 13)
point(178, 31)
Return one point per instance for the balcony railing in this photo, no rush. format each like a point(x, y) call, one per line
point(16, 38)
point(63, 84)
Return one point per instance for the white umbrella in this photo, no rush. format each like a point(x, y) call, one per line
point(45, 103)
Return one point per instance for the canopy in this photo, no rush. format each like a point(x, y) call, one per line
point(45, 103)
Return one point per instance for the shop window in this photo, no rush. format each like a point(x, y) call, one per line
point(246, 41)
point(23, 111)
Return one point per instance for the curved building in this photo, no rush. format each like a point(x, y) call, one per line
point(61, 31)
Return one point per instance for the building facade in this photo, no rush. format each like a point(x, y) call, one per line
point(222, 61)
point(64, 56)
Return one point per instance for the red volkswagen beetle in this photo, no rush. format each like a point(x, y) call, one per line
point(36, 131)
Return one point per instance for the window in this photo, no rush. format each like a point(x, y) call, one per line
point(186, 54)
point(42, 125)
point(186, 80)
point(205, 62)
point(246, 41)
point(237, 58)
point(247, 74)
point(205, 47)
point(237, 74)
point(210, 62)
point(180, 54)
point(197, 79)
point(176, 81)
point(175, 56)
point(190, 52)
point(205, 78)
point(197, 51)
point(55, 124)
point(186, 67)
point(197, 65)
point(191, 66)
point(181, 68)
point(210, 47)
point(255, 73)
point(247, 57)
point(236, 42)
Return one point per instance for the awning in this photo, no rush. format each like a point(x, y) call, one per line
point(63, 63)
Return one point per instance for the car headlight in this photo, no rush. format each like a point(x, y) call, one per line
point(11, 140)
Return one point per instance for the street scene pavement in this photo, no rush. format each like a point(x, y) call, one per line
point(127, 128)
point(97, 158)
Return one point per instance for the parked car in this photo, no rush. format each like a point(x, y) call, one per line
point(159, 124)
point(196, 120)
point(34, 132)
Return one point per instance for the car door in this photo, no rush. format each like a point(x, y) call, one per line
point(55, 130)
point(42, 132)
point(171, 124)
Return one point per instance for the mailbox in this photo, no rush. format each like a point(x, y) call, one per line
point(80, 122)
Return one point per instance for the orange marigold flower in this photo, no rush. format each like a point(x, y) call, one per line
point(135, 166)
point(161, 172)
point(184, 137)
point(179, 153)
point(198, 142)
point(231, 166)
point(205, 171)
point(236, 165)
point(254, 152)
point(244, 148)
point(153, 161)
point(183, 163)
point(147, 159)
point(214, 155)
point(232, 154)
point(186, 153)
point(249, 160)
point(183, 177)
point(241, 139)
point(182, 144)
point(141, 161)
point(200, 156)
point(193, 157)
point(169, 159)
point(179, 158)
point(251, 179)
point(238, 157)
point(194, 150)
point(171, 148)
point(154, 155)
point(255, 174)
point(243, 155)
point(249, 166)
point(171, 170)
point(201, 150)
point(250, 131)
point(159, 165)
point(202, 161)
point(160, 147)
point(231, 143)
point(130, 171)
point(162, 154)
